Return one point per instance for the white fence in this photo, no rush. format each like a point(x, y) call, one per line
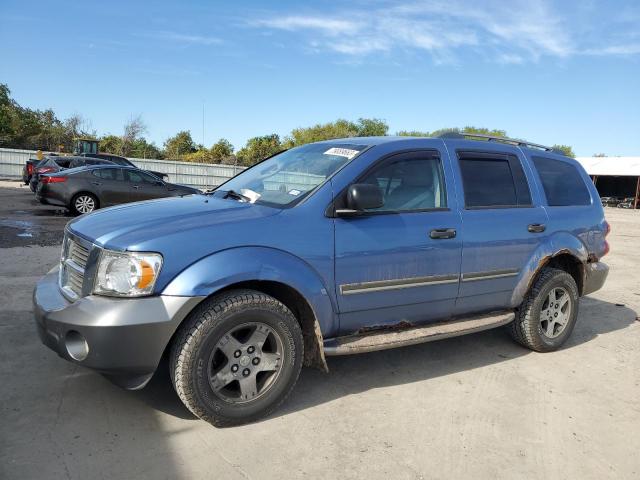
point(199, 175)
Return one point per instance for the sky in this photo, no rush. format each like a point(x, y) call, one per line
point(552, 72)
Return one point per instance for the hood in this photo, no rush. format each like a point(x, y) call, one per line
point(151, 225)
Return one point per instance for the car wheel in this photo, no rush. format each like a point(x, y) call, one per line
point(84, 203)
point(548, 313)
point(237, 357)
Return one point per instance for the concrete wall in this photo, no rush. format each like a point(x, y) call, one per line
point(200, 175)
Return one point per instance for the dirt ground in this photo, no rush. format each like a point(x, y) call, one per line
point(476, 407)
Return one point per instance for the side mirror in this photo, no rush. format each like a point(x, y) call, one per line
point(361, 197)
point(159, 183)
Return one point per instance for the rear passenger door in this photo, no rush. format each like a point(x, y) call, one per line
point(503, 224)
point(110, 186)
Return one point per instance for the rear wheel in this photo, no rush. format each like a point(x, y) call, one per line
point(237, 357)
point(84, 203)
point(548, 313)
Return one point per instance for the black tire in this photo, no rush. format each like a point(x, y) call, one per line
point(78, 210)
point(530, 327)
point(198, 341)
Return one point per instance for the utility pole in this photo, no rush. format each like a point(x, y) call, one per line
point(203, 123)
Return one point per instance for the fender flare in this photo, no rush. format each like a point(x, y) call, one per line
point(245, 264)
point(557, 244)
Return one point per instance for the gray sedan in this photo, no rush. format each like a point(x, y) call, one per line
point(83, 190)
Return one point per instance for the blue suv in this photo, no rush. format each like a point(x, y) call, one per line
point(332, 248)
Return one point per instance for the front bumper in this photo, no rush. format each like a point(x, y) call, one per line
point(595, 274)
point(124, 338)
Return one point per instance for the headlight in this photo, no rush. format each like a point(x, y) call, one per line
point(127, 274)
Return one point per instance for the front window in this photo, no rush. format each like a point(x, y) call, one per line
point(289, 176)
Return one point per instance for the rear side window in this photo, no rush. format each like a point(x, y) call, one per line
point(562, 183)
point(493, 180)
point(109, 173)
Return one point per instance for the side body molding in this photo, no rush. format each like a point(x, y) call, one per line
point(227, 267)
point(556, 244)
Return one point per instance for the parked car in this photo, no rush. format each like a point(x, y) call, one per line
point(331, 248)
point(85, 189)
point(57, 164)
point(30, 166)
point(627, 203)
point(610, 201)
point(47, 165)
point(123, 161)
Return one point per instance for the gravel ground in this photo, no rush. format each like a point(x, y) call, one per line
point(471, 407)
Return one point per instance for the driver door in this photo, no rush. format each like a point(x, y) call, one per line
point(400, 263)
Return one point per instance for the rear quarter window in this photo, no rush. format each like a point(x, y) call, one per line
point(563, 185)
point(493, 180)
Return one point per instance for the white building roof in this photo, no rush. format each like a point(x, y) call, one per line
point(621, 166)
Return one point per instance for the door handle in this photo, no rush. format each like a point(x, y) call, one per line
point(136, 186)
point(537, 228)
point(440, 233)
point(96, 183)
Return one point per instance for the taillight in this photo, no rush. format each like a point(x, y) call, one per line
point(45, 170)
point(607, 231)
point(53, 179)
point(30, 168)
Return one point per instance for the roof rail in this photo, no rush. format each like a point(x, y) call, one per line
point(493, 138)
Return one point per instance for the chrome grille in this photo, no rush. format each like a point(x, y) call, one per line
point(72, 265)
point(78, 254)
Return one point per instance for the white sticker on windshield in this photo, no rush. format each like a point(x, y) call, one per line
point(294, 192)
point(342, 152)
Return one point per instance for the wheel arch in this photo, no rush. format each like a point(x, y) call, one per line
point(562, 251)
point(273, 272)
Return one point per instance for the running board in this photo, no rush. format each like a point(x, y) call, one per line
point(384, 339)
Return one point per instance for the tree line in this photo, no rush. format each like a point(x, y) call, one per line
point(25, 128)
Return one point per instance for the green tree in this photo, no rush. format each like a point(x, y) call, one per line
point(178, 145)
point(111, 144)
point(371, 127)
point(141, 148)
point(412, 133)
point(222, 151)
point(565, 149)
point(259, 148)
point(322, 131)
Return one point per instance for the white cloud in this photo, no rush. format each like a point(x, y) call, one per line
point(508, 32)
point(186, 38)
point(327, 25)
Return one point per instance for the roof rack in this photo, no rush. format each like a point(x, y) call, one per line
point(493, 138)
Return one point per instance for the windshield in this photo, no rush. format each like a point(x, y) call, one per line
point(289, 176)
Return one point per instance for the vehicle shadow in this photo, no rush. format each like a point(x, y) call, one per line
point(355, 374)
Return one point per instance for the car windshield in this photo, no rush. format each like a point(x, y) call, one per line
point(289, 176)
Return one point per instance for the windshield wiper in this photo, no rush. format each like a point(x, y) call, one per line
point(236, 195)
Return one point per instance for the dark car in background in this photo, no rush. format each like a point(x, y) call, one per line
point(627, 203)
point(610, 201)
point(123, 161)
point(85, 189)
point(57, 164)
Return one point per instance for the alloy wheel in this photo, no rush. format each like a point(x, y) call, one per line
point(555, 312)
point(246, 362)
point(85, 204)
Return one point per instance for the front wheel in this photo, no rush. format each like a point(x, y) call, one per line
point(237, 357)
point(548, 313)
